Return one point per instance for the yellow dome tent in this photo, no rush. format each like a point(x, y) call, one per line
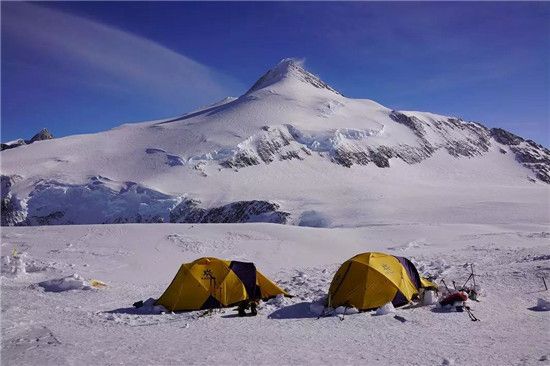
point(209, 283)
point(370, 280)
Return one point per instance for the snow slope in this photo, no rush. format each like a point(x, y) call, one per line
point(290, 150)
point(137, 261)
point(350, 175)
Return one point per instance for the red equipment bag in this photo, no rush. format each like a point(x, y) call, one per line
point(455, 297)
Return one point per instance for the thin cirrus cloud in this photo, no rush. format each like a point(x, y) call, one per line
point(94, 55)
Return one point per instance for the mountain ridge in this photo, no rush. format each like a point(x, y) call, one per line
point(226, 162)
point(43, 134)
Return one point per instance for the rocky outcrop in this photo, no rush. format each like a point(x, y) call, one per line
point(11, 145)
point(411, 122)
point(349, 147)
point(189, 211)
point(504, 137)
point(474, 139)
point(44, 134)
point(103, 201)
point(527, 152)
point(13, 210)
point(271, 143)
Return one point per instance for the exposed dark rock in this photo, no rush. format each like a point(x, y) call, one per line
point(459, 138)
point(476, 143)
point(265, 147)
point(306, 150)
point(44, 134)
point(504, 137)
point(411, 122)
point(17, 143)
point(56, 203)
point(380, 157)
point(246, 211)
point(268, 148)
point(291, 155)
point(12, 212)
point(458, 149)
point(536, 159)
point(543, 173)
point(411, 154)
point(189, 211)
point(527, 152)
point(348, 158)
point(240, 160)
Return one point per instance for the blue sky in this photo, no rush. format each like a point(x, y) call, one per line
point(79, 67)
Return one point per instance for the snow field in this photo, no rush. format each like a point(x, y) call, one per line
point(100, 326)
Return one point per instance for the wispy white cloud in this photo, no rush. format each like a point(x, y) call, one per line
point(110, 59)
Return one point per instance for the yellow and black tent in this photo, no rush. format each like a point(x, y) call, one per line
point(209, 283)
point(370, 280)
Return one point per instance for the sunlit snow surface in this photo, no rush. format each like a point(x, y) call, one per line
point(138, 261)
point(292, 142)
point(349, 176)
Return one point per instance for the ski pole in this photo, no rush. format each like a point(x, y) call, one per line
point(470, 276)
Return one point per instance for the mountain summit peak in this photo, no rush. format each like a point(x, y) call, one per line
point(290, 68)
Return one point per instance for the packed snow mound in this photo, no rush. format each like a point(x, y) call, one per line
point(385, 309)
point(73, 282)
point(149, 307)
point(344, 310)
point(429, 297)
point(18, 264)
point(14, 264)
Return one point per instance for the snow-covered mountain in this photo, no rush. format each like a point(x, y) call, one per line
point(43, 134)
point(290, 150)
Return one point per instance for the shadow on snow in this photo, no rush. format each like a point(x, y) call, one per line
point(296, 311)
